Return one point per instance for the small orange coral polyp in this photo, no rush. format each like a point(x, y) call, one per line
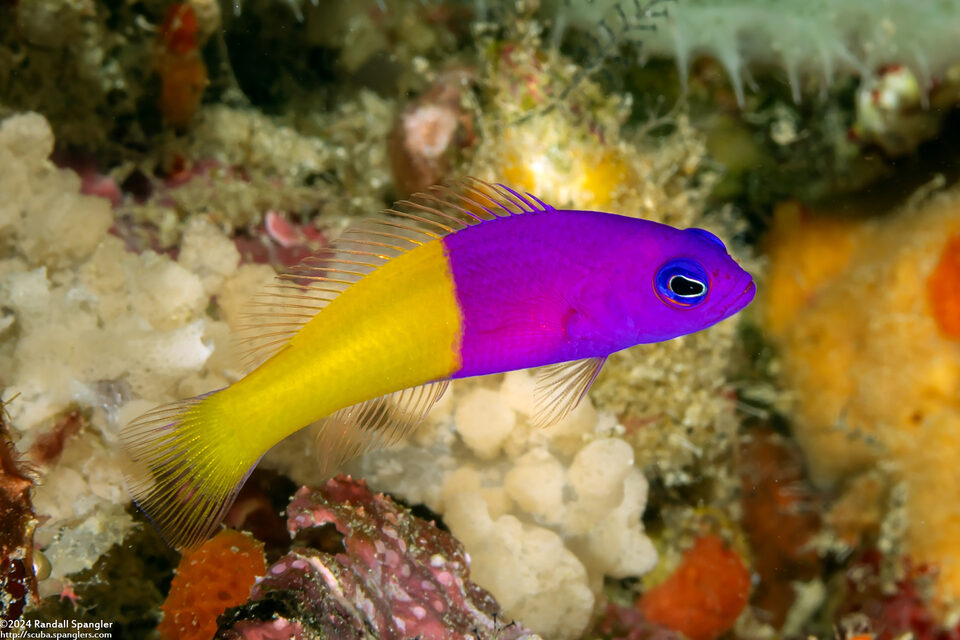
point(943, 289)
point(704, 596)
point(217, 575)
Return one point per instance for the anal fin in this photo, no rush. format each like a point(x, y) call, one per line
point(376, 423)
point(561, 387)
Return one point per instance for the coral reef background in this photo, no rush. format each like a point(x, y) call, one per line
point(787, 473)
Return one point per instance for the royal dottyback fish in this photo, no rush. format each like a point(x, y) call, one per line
point(363, 338)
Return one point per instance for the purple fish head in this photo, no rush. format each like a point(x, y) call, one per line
point(671, 282)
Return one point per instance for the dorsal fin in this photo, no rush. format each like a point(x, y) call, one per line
point(297, 295)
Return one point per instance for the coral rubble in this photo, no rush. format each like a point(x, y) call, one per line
point(125, 586)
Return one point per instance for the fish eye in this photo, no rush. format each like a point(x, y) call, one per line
point(681, 282)
point(686, 287)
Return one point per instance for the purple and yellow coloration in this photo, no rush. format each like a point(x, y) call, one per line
point(460, 282)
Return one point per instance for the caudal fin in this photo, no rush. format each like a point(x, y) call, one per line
point(181, 468)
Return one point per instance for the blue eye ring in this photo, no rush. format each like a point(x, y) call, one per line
point(681, 282)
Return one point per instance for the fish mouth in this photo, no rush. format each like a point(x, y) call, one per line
point(746, 296)
point(747, 290)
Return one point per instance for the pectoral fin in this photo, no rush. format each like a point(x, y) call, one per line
point(560, 387)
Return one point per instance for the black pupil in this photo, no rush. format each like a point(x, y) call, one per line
point(685, 286)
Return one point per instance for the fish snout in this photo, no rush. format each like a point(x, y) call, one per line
point(742, 293)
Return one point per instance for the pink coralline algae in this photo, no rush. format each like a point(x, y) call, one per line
point(92, 181)
point(391, 576)
point(279, 242)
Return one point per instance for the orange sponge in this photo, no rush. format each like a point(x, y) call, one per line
point(215, 576)
point(704, 596)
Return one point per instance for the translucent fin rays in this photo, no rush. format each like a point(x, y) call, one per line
point(174, 471)
point(561, 387)
point(375, 423)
